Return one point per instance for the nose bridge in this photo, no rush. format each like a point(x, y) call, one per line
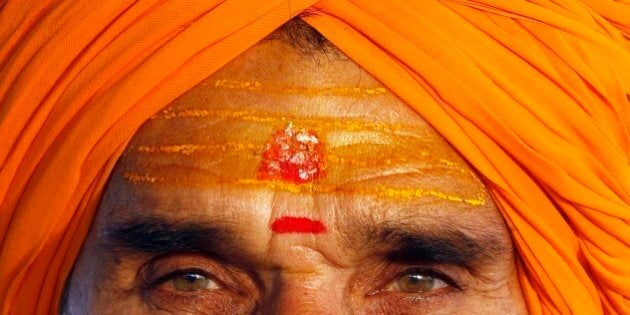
point(306, 279)
point(306, 293)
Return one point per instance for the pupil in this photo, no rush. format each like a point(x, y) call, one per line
point(415, 283)
point(415, 279)
point(191, 277)
point(191, 282)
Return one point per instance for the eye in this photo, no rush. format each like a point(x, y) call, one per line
point(189, 280)
point(419, 281)
point(193, 282)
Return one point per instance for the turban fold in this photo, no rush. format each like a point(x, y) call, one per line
point(534, 94)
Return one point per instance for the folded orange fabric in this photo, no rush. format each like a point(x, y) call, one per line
point(534, 94)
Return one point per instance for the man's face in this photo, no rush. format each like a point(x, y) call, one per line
point(290, 184)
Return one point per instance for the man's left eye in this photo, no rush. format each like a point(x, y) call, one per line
point(416, 281)
point(192, 281)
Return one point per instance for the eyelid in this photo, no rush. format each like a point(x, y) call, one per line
point(230, 289)
point(179, 272)
point(431, 272)
point(428, 270)
point(164, 267)
point(161, 268)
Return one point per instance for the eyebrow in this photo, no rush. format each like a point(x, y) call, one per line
point(440, 245)
point(153, 235)
point(397, 242)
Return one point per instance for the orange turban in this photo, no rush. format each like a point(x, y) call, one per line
point(534, 94)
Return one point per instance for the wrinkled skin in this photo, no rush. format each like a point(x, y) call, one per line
point(379, 254)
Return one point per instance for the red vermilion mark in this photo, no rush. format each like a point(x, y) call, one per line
point(293, 155)
point(297, 225)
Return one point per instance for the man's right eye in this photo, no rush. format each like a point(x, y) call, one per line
point(194, 284)
point(191, 280)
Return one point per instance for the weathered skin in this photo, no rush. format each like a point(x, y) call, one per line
point(385, 166)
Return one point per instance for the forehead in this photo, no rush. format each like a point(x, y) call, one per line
point(218, 134)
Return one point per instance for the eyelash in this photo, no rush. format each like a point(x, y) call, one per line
point(432, 273)
point(453, 286)
point(180, 272)
point(156, 294)
point(413, 270)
